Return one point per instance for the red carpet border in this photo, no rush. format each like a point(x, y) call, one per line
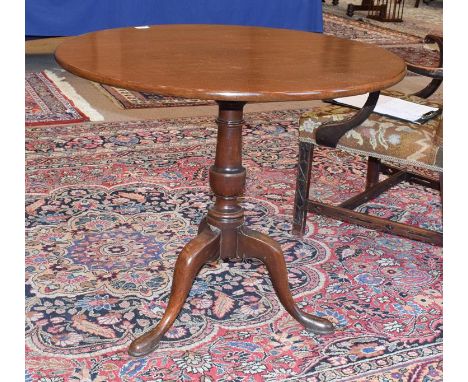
point(46, 105)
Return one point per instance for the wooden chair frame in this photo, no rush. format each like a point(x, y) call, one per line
point(345, 211)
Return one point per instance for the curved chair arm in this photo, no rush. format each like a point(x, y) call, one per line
point(427, 71)
point(329, 133)
point(436, 73)
point(439, 40)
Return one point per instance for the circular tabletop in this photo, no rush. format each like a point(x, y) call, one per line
point(234, 63)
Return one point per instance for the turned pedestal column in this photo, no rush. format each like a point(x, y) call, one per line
point(222, 234)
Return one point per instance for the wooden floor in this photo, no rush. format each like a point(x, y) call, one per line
point(43, 45)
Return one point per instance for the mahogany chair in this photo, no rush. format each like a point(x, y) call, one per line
point(402, 143)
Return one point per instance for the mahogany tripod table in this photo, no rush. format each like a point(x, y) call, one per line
point(232, 65)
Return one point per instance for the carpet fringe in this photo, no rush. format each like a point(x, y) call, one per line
point(70, 92)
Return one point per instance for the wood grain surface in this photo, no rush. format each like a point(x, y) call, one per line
point(236, 63)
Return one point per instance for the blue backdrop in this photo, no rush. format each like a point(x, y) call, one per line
point(73, 17)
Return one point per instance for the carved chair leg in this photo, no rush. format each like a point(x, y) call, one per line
point(373, 172)
point(256, 245)
point(196, 253)
point(304, 169)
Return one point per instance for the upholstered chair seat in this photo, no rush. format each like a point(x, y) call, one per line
point(380, 136)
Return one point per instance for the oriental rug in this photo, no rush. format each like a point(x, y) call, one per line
point(46, 104)
point(365, 32)
point(407, 46)
point(109, 206)
point(128, 99)
point(420, 55)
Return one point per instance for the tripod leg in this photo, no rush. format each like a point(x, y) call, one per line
point(195, 254)
point(257, 245)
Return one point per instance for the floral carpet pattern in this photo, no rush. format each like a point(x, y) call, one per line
point(109, 206)
point(46, 105)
